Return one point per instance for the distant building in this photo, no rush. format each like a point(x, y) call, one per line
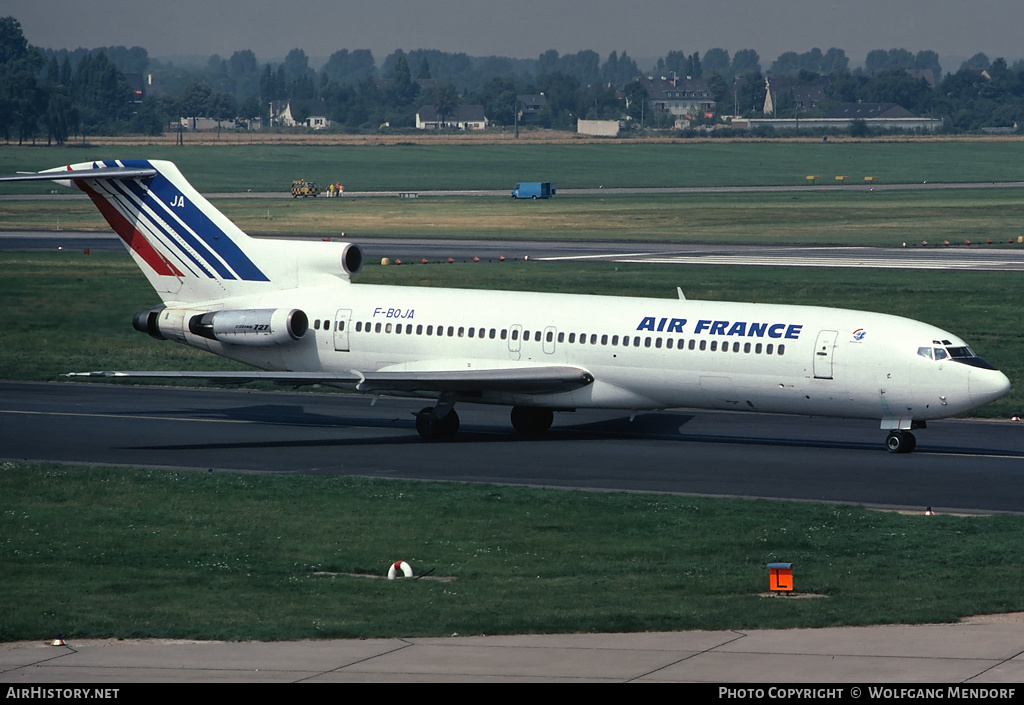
point(464, 117)
point(287, 113)
point(598, 128)
point(805, 96)
point(885, 116)
point(679, 96)
point(869, 111)
point(530, 106)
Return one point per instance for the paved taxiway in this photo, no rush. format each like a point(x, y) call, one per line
point(958, 465)
point(413, 250)
point(983, 654)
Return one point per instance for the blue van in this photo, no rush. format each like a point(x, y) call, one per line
point(533, 189)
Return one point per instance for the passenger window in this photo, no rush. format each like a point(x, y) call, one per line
point(782, 349)
point(387, 328)
point(451, 331)
point(636, 341)
point(327, 325)
point(647, 342)
point(593, 338)
point(703, 345)
point(376, 328)
point(572, 337)
point(736, 347)
point(625, 341)
point(492, 331)
point(657, 343)
point(693, 343)
point(504, 333)
point(668, 343)
point(419, 329)
point(550, 336)
point(515, 334)
point(746, 347)
point(768, 350)
point(757, 348)
point(316, 324)
point(471, 331)
point(536, 337)
point(561, 337)
point(714, 345)
point(615, 340)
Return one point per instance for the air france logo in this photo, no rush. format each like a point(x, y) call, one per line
point(859, 334)
point(741, 329)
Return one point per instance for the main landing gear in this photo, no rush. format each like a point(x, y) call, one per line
point(440, 423)
point(434, 427)
point(900, 442)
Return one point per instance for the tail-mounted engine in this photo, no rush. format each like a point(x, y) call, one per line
point(257, 327)
point(253, 327)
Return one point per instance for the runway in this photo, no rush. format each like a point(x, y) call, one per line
point(969, 466)
point(414, 250)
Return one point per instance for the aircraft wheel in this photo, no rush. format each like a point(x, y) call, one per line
point(900, 442)
point(432, 427)
point(531, 420)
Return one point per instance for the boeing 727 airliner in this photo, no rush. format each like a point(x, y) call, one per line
point(290, 310)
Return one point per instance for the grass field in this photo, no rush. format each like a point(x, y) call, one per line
point(95, 552)
point(828, 218)
point(413, 167)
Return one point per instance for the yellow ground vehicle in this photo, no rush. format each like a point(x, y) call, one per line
point(301, 187)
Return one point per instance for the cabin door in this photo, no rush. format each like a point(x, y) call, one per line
point(341, 326)
point(823, 349)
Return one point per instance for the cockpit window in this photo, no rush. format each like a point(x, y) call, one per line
point(957, 353)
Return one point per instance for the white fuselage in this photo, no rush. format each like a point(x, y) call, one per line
point(643, 353)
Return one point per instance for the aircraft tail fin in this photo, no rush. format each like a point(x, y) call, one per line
point(188, 249)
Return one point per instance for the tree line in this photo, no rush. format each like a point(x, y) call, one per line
point(54, 94)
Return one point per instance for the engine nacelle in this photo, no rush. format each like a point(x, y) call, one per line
point(258, 327)
point(149, 322)
point(351, 259)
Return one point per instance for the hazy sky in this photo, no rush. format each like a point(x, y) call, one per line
point(525, 28)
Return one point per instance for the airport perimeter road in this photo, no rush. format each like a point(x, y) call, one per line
point(958, 465)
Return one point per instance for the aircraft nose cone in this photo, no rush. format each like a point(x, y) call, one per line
point(986, 386)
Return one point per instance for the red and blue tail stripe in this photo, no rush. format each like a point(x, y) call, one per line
point(175, 219)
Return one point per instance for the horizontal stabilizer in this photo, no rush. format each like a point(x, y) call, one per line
point(109, 172)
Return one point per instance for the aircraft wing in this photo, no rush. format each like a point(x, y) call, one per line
point(528, 380)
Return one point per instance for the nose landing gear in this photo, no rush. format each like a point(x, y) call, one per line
point(900, 442)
